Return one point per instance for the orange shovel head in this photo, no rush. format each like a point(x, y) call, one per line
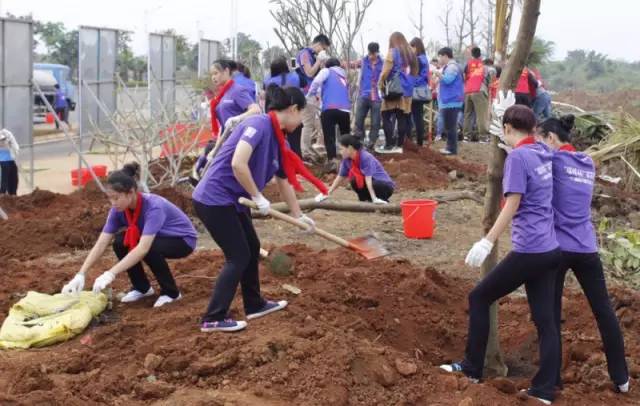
point(368, 246)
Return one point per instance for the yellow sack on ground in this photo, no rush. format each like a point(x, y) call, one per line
point(38, 320)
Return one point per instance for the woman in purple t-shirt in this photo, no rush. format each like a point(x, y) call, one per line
point(573, 177)
point(255, 152)
point(368, 178)
point(142, 227)
point(533, 260)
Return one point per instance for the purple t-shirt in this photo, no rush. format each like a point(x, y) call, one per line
point(528, 172)
point(235, 101)
point(158, 217)
point(573, 177)
point(369, 166)
point(219, 186)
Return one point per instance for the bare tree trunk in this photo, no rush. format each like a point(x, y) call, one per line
point(460, 33)
point(419, 26)
point(446, 22)
point(490, 27)
point(494, 360)
point(473, 22)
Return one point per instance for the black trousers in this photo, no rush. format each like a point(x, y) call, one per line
point(538, 274)
point(450, 133)
point(237, 238)
point(588, 270)
point(329, 120)
point(389, 118)
point(383, 191)
point(8, 178)
point(161, 249)
point(294, 140)
point(63, 115)
point(417, 113)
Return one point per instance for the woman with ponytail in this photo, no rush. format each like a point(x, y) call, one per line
point(233, 101)
point(143, 227)
point(255, 152)
point(573, 177)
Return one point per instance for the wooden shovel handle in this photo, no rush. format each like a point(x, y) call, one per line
point(300, 224)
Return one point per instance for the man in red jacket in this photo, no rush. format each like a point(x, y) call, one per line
point(476, 97)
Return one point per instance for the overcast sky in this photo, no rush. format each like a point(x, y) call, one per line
point(610, 27)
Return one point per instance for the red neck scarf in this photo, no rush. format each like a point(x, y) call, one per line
point(567, 147)
point(526, 141)
point(356, 172)
point(291, 163)
point(215, 126)
point(132, 235)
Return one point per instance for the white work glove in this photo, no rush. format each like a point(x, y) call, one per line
point(479, 252)
point(74, 286)
point(502, 103)
point(232, 122)
point(323, 56)
point(309, 222)
point(377, 200)
point(263, 204)
point(321, 197)
point(103, 281)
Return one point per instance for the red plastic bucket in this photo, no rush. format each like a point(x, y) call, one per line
point(49, 119)
point(419, 218)
point(100, 170)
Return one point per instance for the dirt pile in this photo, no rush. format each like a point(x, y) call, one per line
point(44, 222)
point(361, 332)
point(425, 168)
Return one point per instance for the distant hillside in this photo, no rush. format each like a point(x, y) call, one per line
point(592, 72)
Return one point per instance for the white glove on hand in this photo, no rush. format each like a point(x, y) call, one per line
point(502, 103)
point(75, 285)
point(479, 252)
point(321, 198)
point(263, 204)
point(377, 200)
point(232, 122)
point(323, 56)
point(103, 281)
point(308, 221)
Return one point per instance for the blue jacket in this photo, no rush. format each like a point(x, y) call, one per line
point(369, 78)
point(422, 79)
point(60, 100)
point(312, 61)
point(404, 70)
point(451, 94)
point(291, 79)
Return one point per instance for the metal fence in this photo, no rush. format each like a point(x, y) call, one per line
point(162, 75)
point(16, 92)
point(97, 59)
point(208, 52)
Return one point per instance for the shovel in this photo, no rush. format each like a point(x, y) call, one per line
point(368, 246)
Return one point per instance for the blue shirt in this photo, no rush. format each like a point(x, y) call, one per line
point(369, 77)
point(306, 56)
point(5, 155)
point(60, 100)
point(219, 186)
point(422, 79)
point(335, 89)
point(403, 68)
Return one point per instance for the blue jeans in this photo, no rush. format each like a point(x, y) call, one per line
point(450, 122)
point(542, 106)
point(363, 105)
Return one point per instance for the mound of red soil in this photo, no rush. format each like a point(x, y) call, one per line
point(425, 168)
point(361, 332)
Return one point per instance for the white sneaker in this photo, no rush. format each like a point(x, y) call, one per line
point(164, 299)
point(269, 307)
point(624, 388)
point(134, 296)
point(397, 150)
point(445, 151)
point(543, 401)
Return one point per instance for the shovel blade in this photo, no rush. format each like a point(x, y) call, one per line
point(369, 247)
